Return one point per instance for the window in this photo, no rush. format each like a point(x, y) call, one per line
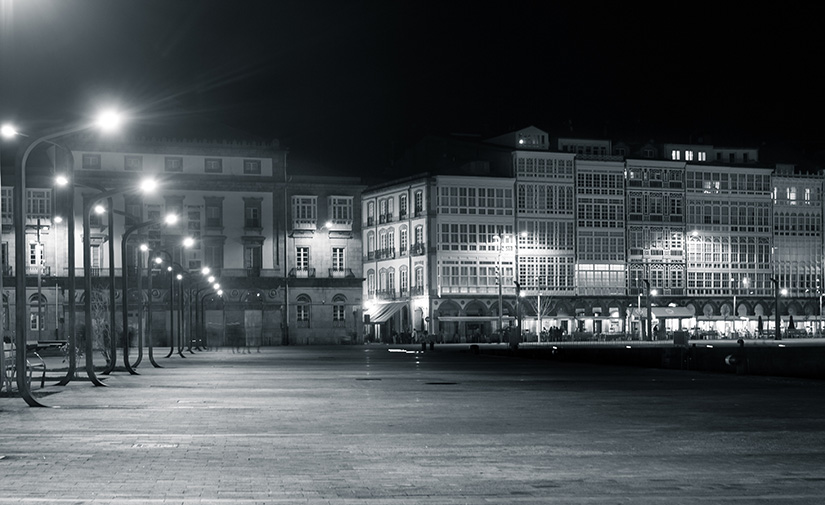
point(419, 234)
point(419, 202)
point(302, 310)
point(339, 310)
point(341, 209)
point(91, 161)
point(252, 212)
point(703, 156)
point(304, 211)
point(403, 240)
point(173, 164)
point(133, 163)
point(419, 277)
point(213, 208)
point(402, 206)
point(302, 258)
point(39, 203)
point(252, 167)
point(213, 252)
point(35, 254)
point(35, 321)
point(370, 213)
point(252, 258)
point(338, 259)
point(688, 155)
point(674, 154)
point(213, 165)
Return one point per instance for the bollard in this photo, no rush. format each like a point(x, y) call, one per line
point(423, 346)
point(432, 345)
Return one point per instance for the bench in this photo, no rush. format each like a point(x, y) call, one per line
point(9, 371)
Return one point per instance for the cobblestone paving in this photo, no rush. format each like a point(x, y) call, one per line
point(363, 425)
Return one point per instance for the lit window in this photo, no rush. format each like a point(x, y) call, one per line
point(688, 155)
point(703, 156)
point(674, 155)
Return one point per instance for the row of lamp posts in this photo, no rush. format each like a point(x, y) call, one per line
point(106, 121)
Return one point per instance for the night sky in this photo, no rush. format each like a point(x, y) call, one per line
point(348, 85)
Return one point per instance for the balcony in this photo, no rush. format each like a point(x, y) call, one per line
point(253, 271)
point(7, 271)
point(385, 254)
point(385, 295)
point(302, 273)
point(418, 249)
point(304, 224)
point(341, 273)
point(33, 270)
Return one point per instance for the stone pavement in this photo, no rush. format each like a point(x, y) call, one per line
point(363, 425)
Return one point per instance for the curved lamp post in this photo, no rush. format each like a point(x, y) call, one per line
point(170, 219)
point(19, 209)
point(146, 185)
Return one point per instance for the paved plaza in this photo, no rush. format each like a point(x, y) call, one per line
point(383, 425)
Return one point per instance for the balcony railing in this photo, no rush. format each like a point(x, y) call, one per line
point(385, 254)
point(7, 270)
point(418, 249)
point(340, 273)
point(253, 271)
point(386, 295)
point(302, 272)
point(44, 270)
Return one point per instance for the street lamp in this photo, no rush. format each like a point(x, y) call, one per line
point(87, 270)
point(497, 240)
point(19, 209)
point(649, 322)
point(169, 219)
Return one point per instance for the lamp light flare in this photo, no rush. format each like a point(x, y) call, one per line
point(99, 209)
point(148, 185)
point(7, 131)
point(144, 247)
point(109, 120)
point(205, 270)
point(188, 242)
point(179, 276)
point(61, 180)
point(171, 219)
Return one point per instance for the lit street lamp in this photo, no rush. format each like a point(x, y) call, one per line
point(170, 219)
point(19, 212)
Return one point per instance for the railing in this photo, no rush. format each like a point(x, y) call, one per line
point(418, 249)
point(252, 223)
point(386, 295)
point(385, 254)
point(32, 270)
point(340, 273)
point(253, 271)
point(302, 272)
point(7, 271)
point(303, 224)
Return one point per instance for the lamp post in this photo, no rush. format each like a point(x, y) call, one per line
point(497, 240)
point(170, 219)
point(19, 209)
point(146, 185)
point(647, 306)
point(777, 335)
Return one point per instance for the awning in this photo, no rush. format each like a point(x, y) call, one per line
point(382, 313)
point(666, 312)
point(461, 319)
point(673, 312)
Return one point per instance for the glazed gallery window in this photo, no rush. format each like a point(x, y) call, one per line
point(341, 209)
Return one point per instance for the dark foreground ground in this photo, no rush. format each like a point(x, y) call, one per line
point(365, 425)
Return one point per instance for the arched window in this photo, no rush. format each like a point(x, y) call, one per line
point(404, 279)
point(403, 240)
point(339, 311)
point(370, 213)
point(303, 311)
point(419, 279)
point(370, 244)
point(37, 312)
point(391, 282)
point(370, 282)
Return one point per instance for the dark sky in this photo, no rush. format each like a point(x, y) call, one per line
point(347, 84)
